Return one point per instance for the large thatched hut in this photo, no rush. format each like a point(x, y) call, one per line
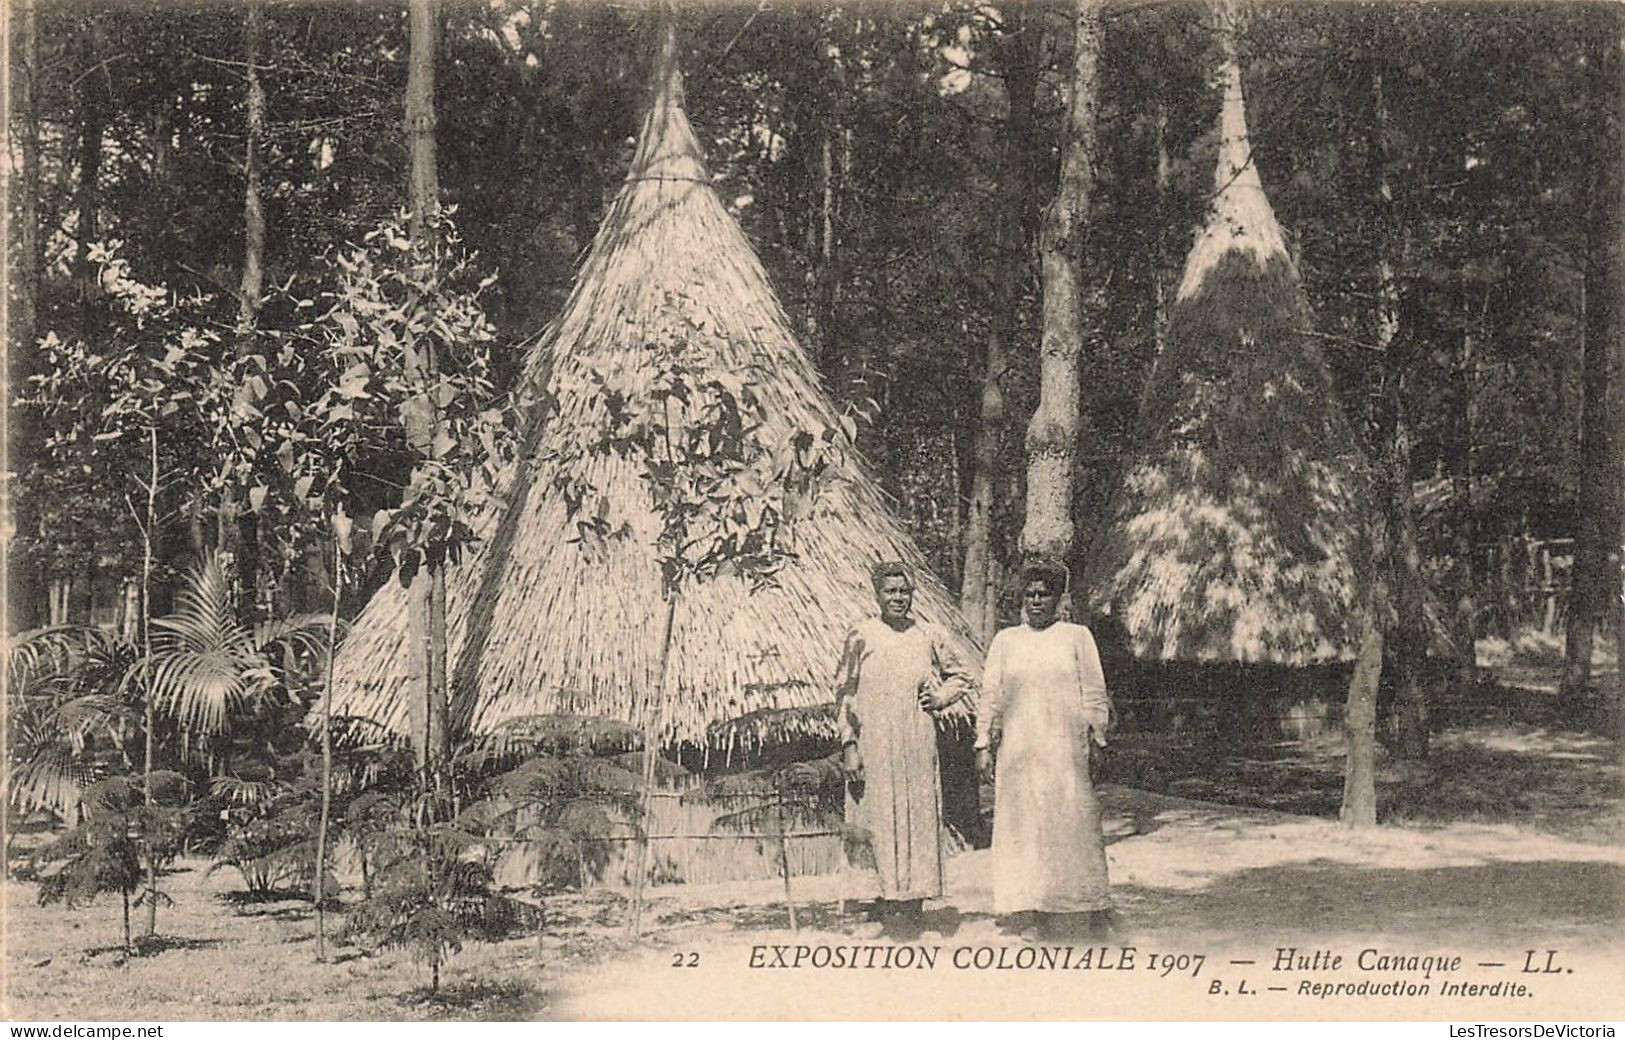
point(542, 622)
point(1233, 551)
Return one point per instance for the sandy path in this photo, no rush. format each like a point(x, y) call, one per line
point(1191, 879)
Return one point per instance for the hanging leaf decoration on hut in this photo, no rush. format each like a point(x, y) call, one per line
point(1235, 535)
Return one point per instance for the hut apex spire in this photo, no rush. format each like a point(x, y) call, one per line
point(541, 621)
point(1242, 218)
point(667, 148)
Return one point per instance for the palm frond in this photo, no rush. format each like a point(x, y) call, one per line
point(251, 793)
point(52, 777)
point(302, 633)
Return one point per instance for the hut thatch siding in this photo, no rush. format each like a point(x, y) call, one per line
point(691, 840)
point(540, 622)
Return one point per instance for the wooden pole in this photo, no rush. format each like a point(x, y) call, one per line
point(327, 750)
point(784, 858)
point(150, 708)
point(651, 744)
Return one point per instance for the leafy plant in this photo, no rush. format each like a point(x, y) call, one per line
point(547, 787)
point(105, 853)
point(432, 891)
point(391, 300)
point(724, 484)
point(563, 798)
point(785, 795)
point(274, 850)
point(75, 718)
point(217, 678)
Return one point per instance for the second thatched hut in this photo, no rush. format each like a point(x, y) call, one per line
point(1235, 539)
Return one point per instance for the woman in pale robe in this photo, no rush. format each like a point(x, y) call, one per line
point(1044, 713)
point(894, 675)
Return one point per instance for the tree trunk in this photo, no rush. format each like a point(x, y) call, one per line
point(148, 533)
point(977, 593)
point(1410, 633)
point(129, 618)
point(251, 289)
point(1402, 553)
point(1591, 583)
point(61, 598)
point(428, 592)
point(1359, 807)
point(28, 264)
point(327, 745)
point(653, 726)
point(1053, 433)
point(1464, 527)
point(1159, 243)
point(827, 275)
point(1615, 44)
point(784, 859)
point(92, 124)
point(1018, 50)
point(1588, 577)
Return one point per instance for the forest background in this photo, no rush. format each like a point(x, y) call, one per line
point(891, 164)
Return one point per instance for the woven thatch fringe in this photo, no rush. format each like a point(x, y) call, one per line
point(1237, 535)
point(540, 623)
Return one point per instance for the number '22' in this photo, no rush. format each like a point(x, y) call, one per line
point(685, 960)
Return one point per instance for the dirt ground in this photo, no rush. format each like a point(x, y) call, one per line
point(1189, 877)
point(1505, 848)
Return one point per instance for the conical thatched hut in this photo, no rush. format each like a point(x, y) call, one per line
point(1236, 535)
point(541, 623)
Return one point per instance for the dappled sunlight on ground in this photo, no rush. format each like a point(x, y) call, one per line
point(1186, 874)
point(1233, 885)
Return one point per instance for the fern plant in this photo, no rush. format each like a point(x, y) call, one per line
point(798, 791)
point(432, 891)
point(105, 853)
point(271, 823)
point(546, 786)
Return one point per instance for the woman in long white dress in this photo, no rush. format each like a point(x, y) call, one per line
point(894, 675)
point(1044, 714)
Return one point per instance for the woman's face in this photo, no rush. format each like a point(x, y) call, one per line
point(896, 598)
point(1039, 603)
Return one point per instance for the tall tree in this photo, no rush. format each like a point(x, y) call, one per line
point(1592, 576)
point(23, 252)
point(430, 704)
point(1400, 556)
point(1614, 160)
point(1054, 431)
point(1018, 50)
point(833, 144)
point(26, 265)
point(251, 288)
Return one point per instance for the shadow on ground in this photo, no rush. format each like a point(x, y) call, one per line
point(480, 1001)
point(1487, 902)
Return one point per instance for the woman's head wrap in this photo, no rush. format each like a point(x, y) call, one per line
point(1054, 576)
point(887, 569)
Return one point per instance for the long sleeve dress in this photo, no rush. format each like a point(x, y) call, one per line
point(1043, 691)
point(899, 802)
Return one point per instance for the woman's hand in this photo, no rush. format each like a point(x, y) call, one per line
point(935, 698)
point(984, 765)
point(852, 763)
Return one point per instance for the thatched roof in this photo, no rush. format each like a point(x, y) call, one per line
point(540, 622)
point(1237, 533)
